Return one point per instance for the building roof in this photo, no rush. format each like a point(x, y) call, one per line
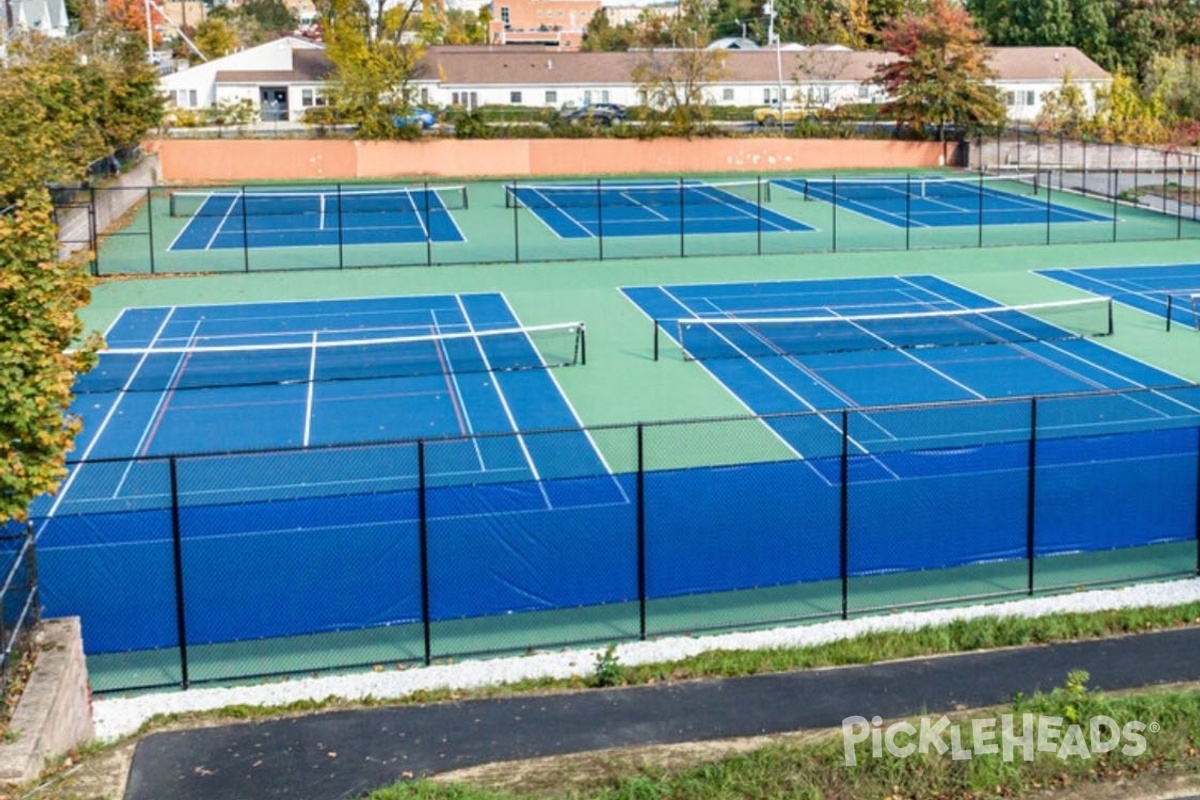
point(1042, 63)
point(493, 66)
point(308, 66)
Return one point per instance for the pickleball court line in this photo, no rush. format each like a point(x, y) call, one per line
point(587, 433)
point(70, 479)
point(1066, 369)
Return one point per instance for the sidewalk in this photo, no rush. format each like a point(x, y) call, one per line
point(344, 754)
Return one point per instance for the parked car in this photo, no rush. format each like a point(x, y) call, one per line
point(595, 114)
point(419, 117)
point(771, 115)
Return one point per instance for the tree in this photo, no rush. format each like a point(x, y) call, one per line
point(940, 76)
point(601, 36)
point(673, 80)
point(1064, 110)
point(1123, 115)
point(375, 50)
point(215, 37)
point(1174, 82)
point(270, 16)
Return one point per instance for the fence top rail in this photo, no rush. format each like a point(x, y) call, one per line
point(632, 426)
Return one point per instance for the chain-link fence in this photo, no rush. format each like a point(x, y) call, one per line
point(233, 566)
point(19, 611)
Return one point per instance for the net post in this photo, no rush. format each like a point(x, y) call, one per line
point(582, 345)
point(1109, 331)
point(641, 531)
point(1170, 310)
point(177, 559)
point(1031, 498)
point(656, 326)
point(423, 545)
point(844, 514)
point(466, 198)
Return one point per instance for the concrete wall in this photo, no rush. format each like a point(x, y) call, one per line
point(54, 714)
point(208, 160)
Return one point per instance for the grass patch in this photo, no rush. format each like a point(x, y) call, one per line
point(819, 768)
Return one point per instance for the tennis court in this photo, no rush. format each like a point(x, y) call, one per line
point(1170, 291)
point(664, 208)
point(853, 343)
point(246, 219)
point(940, 201)
point(188, 379)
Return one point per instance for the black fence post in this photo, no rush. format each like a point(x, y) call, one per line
point(1198, 500)
point(682, 222)
point(177, 553)
point(1049, 203)
point(150, 224)
point(844, 521)
point(908, 210)
point(1116, 200)
point(1179, 202)
point(516, 203)
point(979, 242)
point(245, 230)
point(428, 227)
point(600, 215)
point(641, 532)
point(93, 237)
point(341, 241)
point(833, 223)
point(1031, 498)
point(758, 189)
point(423, 544)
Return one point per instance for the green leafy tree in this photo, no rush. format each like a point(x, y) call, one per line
point(601, 36)
point(270, 16)
point(1123, 115)
point(1174, 82)
point(216, 37)
point(674, 80)
point(940, 76)
point(375, 50)
point(39, 298)
point(1064, 110)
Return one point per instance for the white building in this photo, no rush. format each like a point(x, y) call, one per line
point(47, 17)
point(285, 77)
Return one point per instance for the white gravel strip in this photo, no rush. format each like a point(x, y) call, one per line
point(117, 716)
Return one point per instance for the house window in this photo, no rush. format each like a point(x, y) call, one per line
point(551, 98)
point(768, 97)
point(192, 99)
point(514, 97)
point(1010, 99)
point(311, 97)
point(587, 96)
point(504, 15)
point(864, 92)
point(604, 95)
point(727, 95)
point(1030, 99)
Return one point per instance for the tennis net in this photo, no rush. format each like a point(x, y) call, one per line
point(929, 188)
point(651, 195)
point(1183, 308)
point(331, 203)
point(704, 338)
point(201, 365)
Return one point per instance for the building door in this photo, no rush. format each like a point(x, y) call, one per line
point(274, 103)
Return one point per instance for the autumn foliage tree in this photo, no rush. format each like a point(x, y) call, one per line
point(940, 78)
point(375, 51)
point(62, 112)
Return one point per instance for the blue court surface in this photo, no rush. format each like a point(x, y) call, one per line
point(936, 202)
point(885, 362)
point(585, 211)
point(264, 218)
point(1152, 288)
point(258, 376)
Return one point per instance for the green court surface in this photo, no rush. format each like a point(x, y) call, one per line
point(149, 238)
point(620, 385)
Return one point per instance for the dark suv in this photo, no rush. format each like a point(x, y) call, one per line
point(595, 114)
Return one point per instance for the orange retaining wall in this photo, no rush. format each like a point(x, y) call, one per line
point(219, 160)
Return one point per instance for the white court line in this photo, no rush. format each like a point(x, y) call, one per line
point(176, 372)
point(221, 224)
point(556, 207)
point(312, 382)
point(574, 414)
point(1065, 369)
point(62, 492)
point(417, 213)
point(512, 421)
point(455, 389)
point(638, 203)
